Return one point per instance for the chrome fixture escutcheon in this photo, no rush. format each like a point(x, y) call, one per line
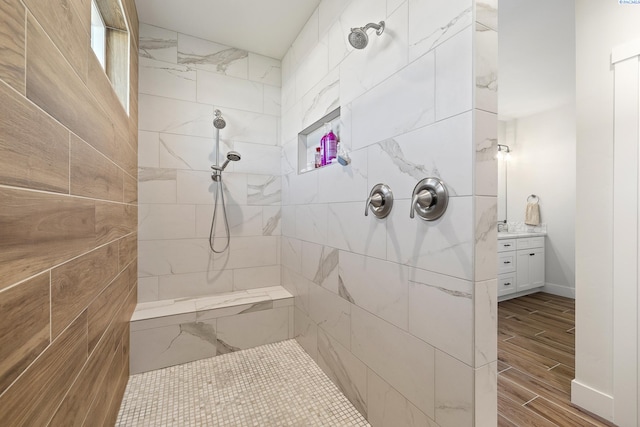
point(430, 199)
point(380, 201)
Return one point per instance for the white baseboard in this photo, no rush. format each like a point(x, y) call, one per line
point(592, 400)
point(562, 291)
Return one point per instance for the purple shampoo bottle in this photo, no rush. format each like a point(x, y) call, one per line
point(324, 145)
point(331, 144)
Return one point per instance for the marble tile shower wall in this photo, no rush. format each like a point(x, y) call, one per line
point(486, 211)
point(182, 80)
point(400, 313)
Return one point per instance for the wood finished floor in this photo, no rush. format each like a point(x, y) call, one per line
point(536, 347)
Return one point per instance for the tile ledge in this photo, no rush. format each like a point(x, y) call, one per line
point(179, 306)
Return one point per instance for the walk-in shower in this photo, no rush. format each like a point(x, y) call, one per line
point(216, 176)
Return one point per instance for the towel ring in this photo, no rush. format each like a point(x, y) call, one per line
point(533, 199)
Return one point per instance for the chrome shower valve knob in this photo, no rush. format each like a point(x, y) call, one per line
point(380, 201)
point(422, 200)
point(429, 200)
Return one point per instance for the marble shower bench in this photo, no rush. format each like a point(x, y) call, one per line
point(171, 332)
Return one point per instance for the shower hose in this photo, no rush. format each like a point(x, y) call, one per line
point(219, 192)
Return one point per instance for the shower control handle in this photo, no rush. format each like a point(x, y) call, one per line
point(429, 199)
point(424, 199)
point(380, 201)
point(374, 200)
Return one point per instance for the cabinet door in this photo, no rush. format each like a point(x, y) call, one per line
point(530, 269)
point(522, 270)
point(536, 267)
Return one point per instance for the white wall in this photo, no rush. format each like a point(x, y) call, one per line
point(537, 113)
point(599, 27)
point(543, 163)
point(378, 300)
point(182, 80)
point(537, 50)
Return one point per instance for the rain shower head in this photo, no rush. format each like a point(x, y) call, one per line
point(358, 37)
point(218, 121)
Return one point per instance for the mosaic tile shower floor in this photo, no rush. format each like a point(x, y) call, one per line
point(271, 385)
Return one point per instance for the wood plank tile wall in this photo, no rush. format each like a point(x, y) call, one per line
point(68, 214)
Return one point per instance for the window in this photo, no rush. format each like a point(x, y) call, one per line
point(98, 34)
point(110, 43)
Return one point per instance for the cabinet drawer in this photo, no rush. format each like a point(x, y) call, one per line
point(506, 284)
point(506, 262)
point(530, 242)
point(506, 245)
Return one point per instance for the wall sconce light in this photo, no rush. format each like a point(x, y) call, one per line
point(504, 152)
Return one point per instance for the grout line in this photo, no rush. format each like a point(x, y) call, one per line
point(530, 400)
point(205, 104)
point(39, 356)
point(539, 333)
point(542, 381)
point(505, 370)
point(515, 403)
point(554, 366)
point(96, 150)
point(21, 281)
point(73, 196)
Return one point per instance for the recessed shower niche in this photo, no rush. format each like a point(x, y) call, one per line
point(310, 139)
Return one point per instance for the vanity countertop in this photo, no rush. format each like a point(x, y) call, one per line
point(506, 235)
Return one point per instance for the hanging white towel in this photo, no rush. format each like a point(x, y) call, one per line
point(532, 214)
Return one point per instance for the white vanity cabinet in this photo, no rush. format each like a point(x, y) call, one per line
point(520, 264)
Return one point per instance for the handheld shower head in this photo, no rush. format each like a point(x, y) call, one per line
point(218, 121)
point(358, 37)
point(233, 156)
